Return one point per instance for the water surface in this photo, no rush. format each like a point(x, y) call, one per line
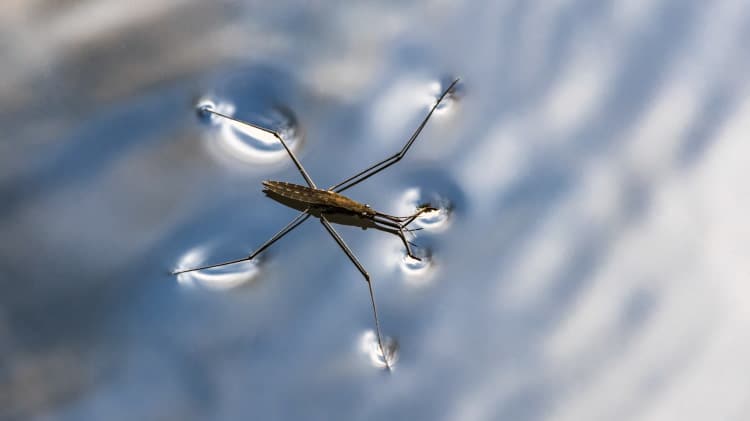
point(588, 260)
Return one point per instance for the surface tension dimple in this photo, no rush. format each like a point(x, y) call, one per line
point(245, 144)
point(368, 344)
point(436, 220)
point(220, 278)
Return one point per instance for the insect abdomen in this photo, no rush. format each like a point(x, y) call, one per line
point(316, 197)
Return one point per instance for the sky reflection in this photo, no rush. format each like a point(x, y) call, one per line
point(588, 260)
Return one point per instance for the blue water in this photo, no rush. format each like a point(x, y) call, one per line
point(586, 262)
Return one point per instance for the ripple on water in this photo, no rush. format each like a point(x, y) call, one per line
point(243, 142)
point(220, 278)
point(448, 103)
point(418, 269)
point(368, 344)
point(203, 106)
point(415, 272)
point(437, 220)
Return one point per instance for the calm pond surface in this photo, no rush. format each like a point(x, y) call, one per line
point(588, 260)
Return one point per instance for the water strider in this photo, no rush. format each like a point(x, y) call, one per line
point(330, 205)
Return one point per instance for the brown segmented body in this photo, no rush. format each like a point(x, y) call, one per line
point(330, 206)
point(316, 197)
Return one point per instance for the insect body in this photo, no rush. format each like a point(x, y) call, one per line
point(317, 197)
point(330, 205)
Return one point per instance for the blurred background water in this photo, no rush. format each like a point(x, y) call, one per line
point(592, 264)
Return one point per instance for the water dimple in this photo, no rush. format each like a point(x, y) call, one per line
point(417, 268)
point(369, 345)
point(253, 142)
point(437, 88)
point(205, 105)
point(202, 107)
point(437, 219)
point(219, 278)
point(416, 272)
